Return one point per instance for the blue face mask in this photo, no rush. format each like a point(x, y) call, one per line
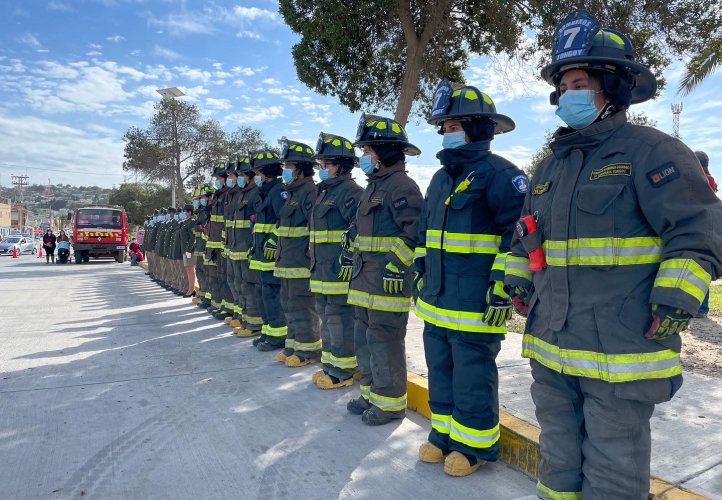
point(230, 182)
point(577, 108)
point(453, 140)
point(217, 184)
point(324, 174)
point(366, 164)
point(259, 180)
point(196, 204)
point(176, 217)
point(167, 217)
point(204, 202)
point(287, 175)
point(241, 181)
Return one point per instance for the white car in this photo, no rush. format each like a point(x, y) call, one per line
point(24, 244)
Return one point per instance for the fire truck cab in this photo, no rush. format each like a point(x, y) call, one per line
point(100, 231)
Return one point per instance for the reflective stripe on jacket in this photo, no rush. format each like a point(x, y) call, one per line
point(293, 257)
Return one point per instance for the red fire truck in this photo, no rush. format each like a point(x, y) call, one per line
point(100, 231)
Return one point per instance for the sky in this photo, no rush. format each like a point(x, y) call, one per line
point(75, 74)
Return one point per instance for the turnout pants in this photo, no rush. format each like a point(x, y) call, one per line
point(338, 355)
point(200, 275)
point(379, 337)
point(463, 391)
point(251, 319)
point(595, 435)
point(304, 336)
point(226, 297)
point(233, 276)
point(212, 277)
point(274, 328)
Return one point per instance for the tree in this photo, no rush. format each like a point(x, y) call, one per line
point(139, 200)
point(177, 146)
point(390, 54)
point(703, 64)
point(635, 118)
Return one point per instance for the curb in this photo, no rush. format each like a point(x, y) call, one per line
point(519, 442)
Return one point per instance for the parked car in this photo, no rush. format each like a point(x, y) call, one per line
point(24, 244)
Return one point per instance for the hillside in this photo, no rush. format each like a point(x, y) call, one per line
point(60, 198)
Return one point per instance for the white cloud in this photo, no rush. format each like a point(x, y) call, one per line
point(252, 35)
point(31, 40)
point(246, 71)
point(95, 46)
point(93, 53)
point(166, 53)
point(218, 104)
point(59, 6)
point(194, 73)
point(270, 81)
point(184, 23)
point(255, 114)
point(254, 13)
point(52, 69)
point(115, 38)
point(195, 92)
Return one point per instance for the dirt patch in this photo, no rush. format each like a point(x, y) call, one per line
point(702, 345)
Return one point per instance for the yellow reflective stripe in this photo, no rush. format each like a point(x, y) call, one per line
point(198, 253)
point(292, 231)
point(598, 365)
point(403, 252)
point(327, 236)
point(604, 251)
point(558, 495)
point(215, 303)
point(242, 224)
point(685, 275)
point(374, 243)
point(264, 228)
point(387, 403)
point(441, 423)
point(329, 287)
point(308, 346)
point(455, 320)
point(462, 242)
point(347, 363)
point(290, 344)
point(365, 391)
point(475, 438)
point(196, 233)
point(259, 265)
point(229, 223)
point(292, 272)
point(379, 302)
point(214, 244)
point(499, 262)
point(517, 266)
point(204, 236)
point(216, 218)
point(240, 255)
point(419, 252)
point(253, 320)
point(276, 331)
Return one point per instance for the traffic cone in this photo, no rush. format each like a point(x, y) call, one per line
point(15, 252)
point(40, 253)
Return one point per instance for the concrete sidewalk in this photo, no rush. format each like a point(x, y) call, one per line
point(686, 432)
point(112, 387)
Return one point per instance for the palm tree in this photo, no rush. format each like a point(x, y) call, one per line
point(701, 66)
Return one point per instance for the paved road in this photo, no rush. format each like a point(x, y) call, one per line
point(113, 388)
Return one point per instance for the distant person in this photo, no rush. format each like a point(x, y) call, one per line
point(62, 236)
point(704, 162)
point(136, 254)
point(49, 246)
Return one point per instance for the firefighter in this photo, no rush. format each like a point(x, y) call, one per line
point(188, 244)
point(465, 230)
point(175, 254)
point(271, 198)
point(149, 244)
point(303, 339)
point(246, 280)
point(204, 219)
point(198, 244)
point(231, 251)
point(629, 231)
point(214, 245)
point(165, 242)
point(386, 229)
point(333, 214)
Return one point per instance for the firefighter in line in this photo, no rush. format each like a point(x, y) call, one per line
point(303, 339)
point(165, 241)
point(149, 245)
point(246, 280)
point(271, 198)
point(208, 266)
point(384, 236)
point(630, 236)
point(333, 213)
point(231, 246)
point(188, 244)
point(465, 230)
point(198, 244)
point(178, 277)
point(214, 245)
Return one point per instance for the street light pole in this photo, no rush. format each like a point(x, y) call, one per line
point(172, 93)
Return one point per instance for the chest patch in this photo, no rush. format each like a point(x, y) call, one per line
point(612, 169)
point(284, 195)
point(376, 199)
point(664, 174)
point(541, 188)
point(329, 203)
point(348, 203)
point(400, 203)
point(521, 183)
point(293, 203)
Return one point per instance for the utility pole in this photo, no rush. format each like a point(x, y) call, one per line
point(676, 111)
point(173, 93)
point(19, 181)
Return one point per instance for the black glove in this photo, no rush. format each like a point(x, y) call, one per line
point(214, 255)
point(519, 296)
point(270, 249)
point(393, 279)
point(346, 261)
point(498, 305)
point(667, 321)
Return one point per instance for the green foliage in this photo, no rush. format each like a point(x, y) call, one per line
point(140, 200)
point(388, 54)
point(702, 64)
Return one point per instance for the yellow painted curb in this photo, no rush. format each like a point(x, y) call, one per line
point(519, 442)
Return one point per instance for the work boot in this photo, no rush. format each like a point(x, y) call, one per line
point(358, 406)
point(235, 323)
point(196, 300)
point(245, 332)
point(258, 340)
point(295, 361)
point(431, 453)
point(357, 376)
point(282, 357)
point(377, 416)
point(460, 464)
point(204, 304)
point(227, 320)
point(326, 381)
point(266, 346)
point(219, 314)
point(317, 375)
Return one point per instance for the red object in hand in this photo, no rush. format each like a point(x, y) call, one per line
point(525, 226)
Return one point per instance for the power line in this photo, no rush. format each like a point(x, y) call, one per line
point(9, 166)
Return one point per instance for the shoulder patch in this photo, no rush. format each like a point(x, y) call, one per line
point(541, 188)
point(330, 202)
point(521, 183)
point(348, 203)
point(284, 195)
point(612, 169)
point(309, 205)
point(400, 203)
point(664, 174)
